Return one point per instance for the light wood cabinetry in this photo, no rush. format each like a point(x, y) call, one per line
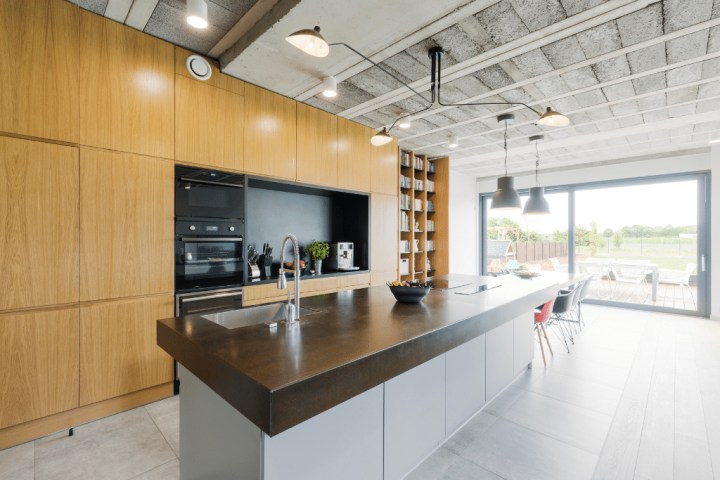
point(126, 88)
point(354, 155)
point(118, 347)
point(350, 282)
point(217, 79)
point(270, 134)
point(384, 169)
point(39, 221)
point(317, 146)
point(208, 124)
point(38, 364)
point(39, 86)
point(383, 237)
point(126, 225)
point(424, 216)
point(269, 293)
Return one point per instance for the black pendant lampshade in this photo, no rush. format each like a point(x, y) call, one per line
point(506, 197)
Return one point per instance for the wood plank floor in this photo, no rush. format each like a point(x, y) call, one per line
point(638, 397)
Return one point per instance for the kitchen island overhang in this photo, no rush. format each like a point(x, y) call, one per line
point(358, 340)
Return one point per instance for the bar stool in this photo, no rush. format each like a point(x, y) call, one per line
point(541, 316)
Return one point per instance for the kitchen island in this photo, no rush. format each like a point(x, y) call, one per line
point(363, 388)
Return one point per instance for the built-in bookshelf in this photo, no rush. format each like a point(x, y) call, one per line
point(424, 184)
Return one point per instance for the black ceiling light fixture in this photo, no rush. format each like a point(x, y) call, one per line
point(548, 118)
point(537, 204)
point(506, 198)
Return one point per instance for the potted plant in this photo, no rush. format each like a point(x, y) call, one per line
point(318, 251)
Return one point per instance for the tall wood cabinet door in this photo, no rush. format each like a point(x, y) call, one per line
point(126, 225)
point(38, 364)
point(270, 133)
point(208, 124)
point(118, 347)
point(384, 243)
point(384, 170)
point(126, 88)
point(39, 222)
point(317, 146)
point(354, 155)
point(39, 86)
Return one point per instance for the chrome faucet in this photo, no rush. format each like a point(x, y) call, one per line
point(293, 311)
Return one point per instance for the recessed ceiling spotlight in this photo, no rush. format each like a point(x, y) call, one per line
point(329, 87)
point(453, 141)
point(405, 120)
point(197, 13)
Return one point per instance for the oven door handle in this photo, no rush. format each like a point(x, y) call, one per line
point(211, 297)
point(211, 239)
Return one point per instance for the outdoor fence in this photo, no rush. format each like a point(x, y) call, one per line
point(527, 252)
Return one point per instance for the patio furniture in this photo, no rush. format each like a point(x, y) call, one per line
point(678, 277)
point(557, 266)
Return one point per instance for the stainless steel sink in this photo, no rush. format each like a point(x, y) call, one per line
point(246, 317)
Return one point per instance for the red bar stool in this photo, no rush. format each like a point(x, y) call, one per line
point(541, 316)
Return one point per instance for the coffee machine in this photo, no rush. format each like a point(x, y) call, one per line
point(342, 257)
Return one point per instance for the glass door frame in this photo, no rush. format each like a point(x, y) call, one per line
point(703, 233)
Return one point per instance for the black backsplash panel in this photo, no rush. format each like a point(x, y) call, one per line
point(276, 209)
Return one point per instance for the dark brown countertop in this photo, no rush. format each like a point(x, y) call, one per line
point(281, 377)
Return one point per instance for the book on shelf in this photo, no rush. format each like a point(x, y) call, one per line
point(419, 164)
point(430, 225)
point(430, 206)
point(404, 246)
point(419, 185)
point(405, 159)
point(430, 245)
point(418, 205)
point(404, 201)
point(430, 186)
point(405, 182)
point(404, 222)
point(431, 166)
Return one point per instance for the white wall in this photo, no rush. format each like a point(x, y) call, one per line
point(463, 224)
point(661, 166)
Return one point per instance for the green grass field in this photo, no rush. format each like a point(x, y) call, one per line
point(670, 253)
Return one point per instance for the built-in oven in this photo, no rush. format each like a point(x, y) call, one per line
point(208, 254)
point(203, 193)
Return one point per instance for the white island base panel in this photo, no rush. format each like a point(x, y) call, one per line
point(383, 433)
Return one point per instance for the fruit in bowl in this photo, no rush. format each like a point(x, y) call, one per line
point(409, 292)
point(291, 265)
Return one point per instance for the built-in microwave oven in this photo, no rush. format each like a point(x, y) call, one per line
point(203, 193)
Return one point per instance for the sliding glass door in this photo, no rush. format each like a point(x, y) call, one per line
point(644, 242)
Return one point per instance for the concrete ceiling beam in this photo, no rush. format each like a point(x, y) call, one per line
point(140, 13)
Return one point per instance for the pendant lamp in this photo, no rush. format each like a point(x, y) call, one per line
point(310, 41)
point(537, 204)
point(381, 138)
point(506, 197)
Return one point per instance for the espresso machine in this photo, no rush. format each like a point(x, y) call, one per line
point(342, 257)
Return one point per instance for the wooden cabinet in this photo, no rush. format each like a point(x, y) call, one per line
point(384, 169)
point(350, 282)
point(464, 382)
point(39, 220)
point(269, 293)
point(38, 364)
point(126, 88)
point(118, 347)
point(208, 124)
point(270, 133)
point(414, 416)
point(383, 237)
point(354, 155)
point(317, 146)
point(126, 225)
point(39, 86)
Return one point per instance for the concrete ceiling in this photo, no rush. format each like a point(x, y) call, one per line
point(637, 78)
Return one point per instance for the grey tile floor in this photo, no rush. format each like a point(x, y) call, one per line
point(638, 397)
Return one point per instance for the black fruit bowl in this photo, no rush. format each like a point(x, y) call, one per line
point(410, 294)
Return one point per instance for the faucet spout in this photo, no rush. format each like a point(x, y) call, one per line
point(293, 310)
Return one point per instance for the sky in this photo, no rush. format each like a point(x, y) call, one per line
point(673, 203)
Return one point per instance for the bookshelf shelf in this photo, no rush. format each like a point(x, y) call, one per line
point(424, 185)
